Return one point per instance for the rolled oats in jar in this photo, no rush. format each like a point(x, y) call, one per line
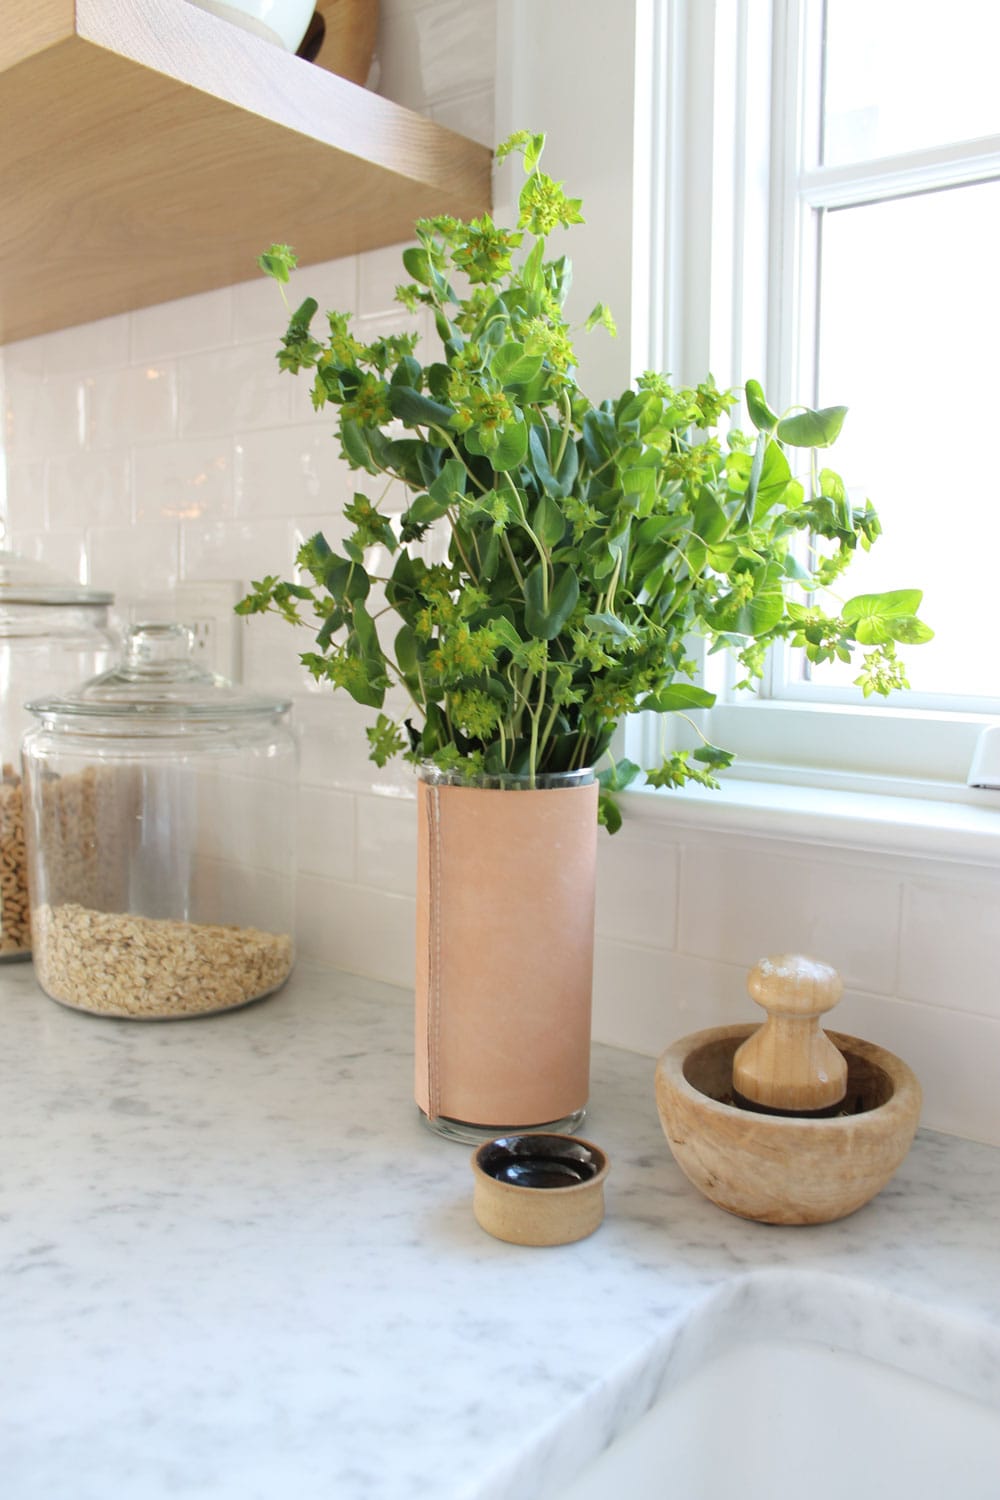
point(160, 829)
point(53, 633)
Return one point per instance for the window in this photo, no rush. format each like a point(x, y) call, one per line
point(848, 226)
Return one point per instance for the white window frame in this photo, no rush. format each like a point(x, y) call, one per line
point(740, 101)
point(689, 287)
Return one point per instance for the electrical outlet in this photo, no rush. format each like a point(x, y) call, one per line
point(208, 609)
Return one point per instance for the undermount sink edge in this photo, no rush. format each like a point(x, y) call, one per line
point(801, 1310)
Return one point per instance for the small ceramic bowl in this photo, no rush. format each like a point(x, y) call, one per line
point(539, 1189)
point(283, 22)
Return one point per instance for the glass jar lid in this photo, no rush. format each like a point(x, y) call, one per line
point(157, 680)
point(23, 581)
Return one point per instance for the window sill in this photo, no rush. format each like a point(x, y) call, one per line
point(879, 822)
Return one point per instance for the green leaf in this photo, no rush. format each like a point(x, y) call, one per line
point(910, 631)
point(450, 483)
point(872, 631)
point(363, 627)
point(812, 429)
point(897, 602)
point(775, 481)
point(761, 415)
point(304, 314)
point(548, 522)
point(609, 814)
point(832, 486)
point(415, 410)
point(756, 468)
point(601, 314)
point(640, 481)
point(406, 651)
point(277, 261)
point(762, 612)
point(506, 635)
point(557, 484)
point(544, 619)
point(385, 739)
point(418, 264)
point(512, 447)
point(607, 624)
point(619, 775)
point(677, 695)
point(424, 509)
point(600, 440)
point(356, 447)
point(531, 273)
point(711, 755)
point(512, 365)
point(792, 568)
point(709, 521)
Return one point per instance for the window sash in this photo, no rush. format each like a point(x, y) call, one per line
point(742, 71)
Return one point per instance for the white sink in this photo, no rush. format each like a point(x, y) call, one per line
point(791, 1418)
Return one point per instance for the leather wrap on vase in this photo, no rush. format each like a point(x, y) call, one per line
point(505, 939)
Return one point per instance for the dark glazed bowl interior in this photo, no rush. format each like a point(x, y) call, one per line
point(540, 1161)
point(709, 1069)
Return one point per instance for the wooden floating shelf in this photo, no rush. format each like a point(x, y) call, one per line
point(149, 150)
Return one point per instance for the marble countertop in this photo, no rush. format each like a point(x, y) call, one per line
point(237, 1266)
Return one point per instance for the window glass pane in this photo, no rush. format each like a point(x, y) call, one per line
point(901, 76)
point(909, 340)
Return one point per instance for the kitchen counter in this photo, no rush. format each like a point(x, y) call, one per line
point(237, 1266)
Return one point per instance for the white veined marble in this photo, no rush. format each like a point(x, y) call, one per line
point(236, 1266)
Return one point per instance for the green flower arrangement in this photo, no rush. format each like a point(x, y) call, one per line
point(586, 544)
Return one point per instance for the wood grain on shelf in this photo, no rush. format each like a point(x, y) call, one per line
point(150, 150)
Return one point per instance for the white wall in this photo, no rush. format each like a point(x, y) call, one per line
point(163, 446)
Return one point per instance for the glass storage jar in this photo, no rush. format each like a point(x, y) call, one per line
point(53, 632)
point(161, 816)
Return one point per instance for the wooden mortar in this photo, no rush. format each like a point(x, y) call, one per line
point(781, 1168)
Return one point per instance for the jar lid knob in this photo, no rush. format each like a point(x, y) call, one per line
point(152, 646)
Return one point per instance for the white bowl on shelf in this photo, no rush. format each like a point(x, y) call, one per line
point(283, 22)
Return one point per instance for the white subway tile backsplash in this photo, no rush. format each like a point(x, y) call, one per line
point(637, 885)
point(188, 480)
point(739, 904)
point(97, 486)
point(360, 930)
point(387, 843)
point(291, 471)
point(955, 1055)
point(380, 272)
point(327, 843)
point(243, 550)
point(27, 492)
point(46, 414)
point(270, 651)
point(134, 405)
point(183, 326)
point(950, 948)
point(241, 387)
point(260, 312)
point(333, 283)
point(645, 997)
point(69, 351)
point(65, 552)
point(135, 562)
point(335, 748)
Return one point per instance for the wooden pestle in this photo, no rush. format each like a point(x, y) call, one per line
point(790, 1063)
